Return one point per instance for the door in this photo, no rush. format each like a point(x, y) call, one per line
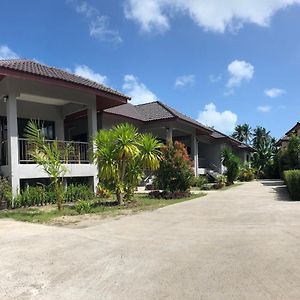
point(3, 141)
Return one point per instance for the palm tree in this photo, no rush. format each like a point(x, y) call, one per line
point(122, 154)
point(49, 157)
point(243, 133)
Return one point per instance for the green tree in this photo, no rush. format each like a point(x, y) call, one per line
point(49, 157)
point(243, 133)
point(122, 154)
point(232, 163)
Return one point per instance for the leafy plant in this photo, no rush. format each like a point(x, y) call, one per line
point(5, 191)
point(199, 181)
point(246, 174)
point(122, 154)
point(292, 179)
point(83, 207)
point(48, 156)
point(221, 181)
point(175, 172)
point(232, 163)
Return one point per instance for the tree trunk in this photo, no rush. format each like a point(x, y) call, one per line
point(120, 198)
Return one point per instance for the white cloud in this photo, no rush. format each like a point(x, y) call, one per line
point(137, 90)
point(7, 53)
point(212, 15)
point(224, 121)
point(264, 108)
point(215, 78)
point(86, 72)
point(274, 92)
point(239, 71)
point(99, 26)
point(185, 80)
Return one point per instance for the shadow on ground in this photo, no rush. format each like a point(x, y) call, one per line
point(278, 187)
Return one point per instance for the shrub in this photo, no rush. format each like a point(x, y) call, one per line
point(199, 181)
point(42, 195)
point(232, 163)
point(5, 193)
point(168, 195)
point(75, 192)
point(175, 172)
point(103, 192)
point(246, 174)
point(221, 182)
point(292, 179)
point(83, 207)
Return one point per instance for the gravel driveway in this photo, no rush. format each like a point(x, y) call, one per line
point(243, 243)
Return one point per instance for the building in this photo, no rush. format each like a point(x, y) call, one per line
point(203, 143)
point(30, 90)
point(283, 142)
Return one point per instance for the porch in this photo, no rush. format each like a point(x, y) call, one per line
point(49, 106)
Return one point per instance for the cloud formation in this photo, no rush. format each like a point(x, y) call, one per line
point(99, 26)
point(239, 70)
point(7, 53)
point(86, 72)
point(137, 90)
point(185, 80)
point(264, 108)
point(274, 92)
point(212, 15)
point(223, 121)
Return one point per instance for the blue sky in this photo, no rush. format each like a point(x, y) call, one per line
point(222, 65)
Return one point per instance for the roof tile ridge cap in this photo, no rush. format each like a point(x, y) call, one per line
point(147, 103)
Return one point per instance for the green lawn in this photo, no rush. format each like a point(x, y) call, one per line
point(48, 213)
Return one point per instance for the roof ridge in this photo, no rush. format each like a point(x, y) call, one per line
point(31, 66)
point(156, 101)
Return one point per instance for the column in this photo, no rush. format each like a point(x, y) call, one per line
point(92, 130)
point(194, 150)
point(169, 134)
point(12, 142)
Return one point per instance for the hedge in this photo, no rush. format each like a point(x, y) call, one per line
point(292, 180)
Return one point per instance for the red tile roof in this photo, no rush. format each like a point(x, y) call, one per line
point(37, 69)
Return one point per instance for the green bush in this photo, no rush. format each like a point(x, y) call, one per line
point(5, 190)
point(83, 207)
point(199, 181)
point(232, 163)
point(221, 182)
point(75, 192)
point(175, 173)
point(42, 195)
point(246, 174)
point(292, 179)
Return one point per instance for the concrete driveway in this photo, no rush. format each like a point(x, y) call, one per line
point(243, 243)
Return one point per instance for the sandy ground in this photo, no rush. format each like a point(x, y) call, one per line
point(243, 243)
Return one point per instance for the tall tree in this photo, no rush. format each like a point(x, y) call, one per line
point(243, 133)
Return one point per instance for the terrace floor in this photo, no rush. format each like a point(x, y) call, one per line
point(242, 243)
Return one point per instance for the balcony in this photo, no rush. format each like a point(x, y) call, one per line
point(71, 152)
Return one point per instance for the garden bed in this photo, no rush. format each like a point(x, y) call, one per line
point(105, 208)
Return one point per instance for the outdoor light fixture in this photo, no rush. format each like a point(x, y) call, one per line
point(5, 98)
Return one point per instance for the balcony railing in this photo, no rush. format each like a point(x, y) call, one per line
point(71, 152)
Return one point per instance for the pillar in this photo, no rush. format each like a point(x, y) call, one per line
point(195, 154)
point(169, 134)
point(92, 130)
point(12, 142)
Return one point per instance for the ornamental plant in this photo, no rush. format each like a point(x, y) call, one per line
point(175, 173)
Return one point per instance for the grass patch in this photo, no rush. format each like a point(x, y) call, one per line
point(105, 208)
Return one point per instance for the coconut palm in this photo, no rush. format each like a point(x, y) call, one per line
point(243, 133)
point(48, 156)
point(122, 154)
